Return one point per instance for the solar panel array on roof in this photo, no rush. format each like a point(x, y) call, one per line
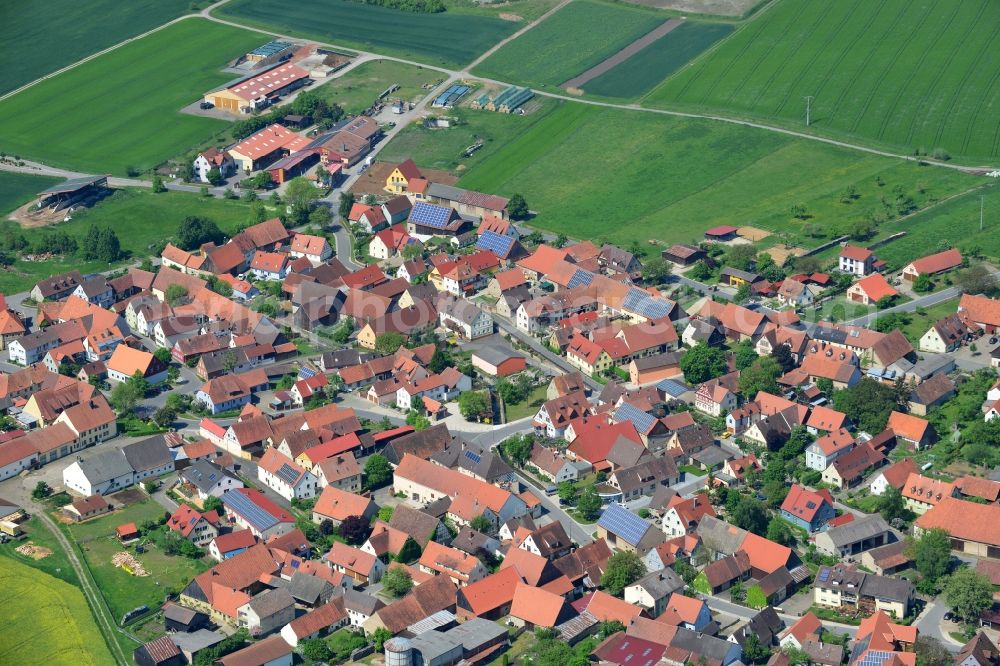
point(642, 303)
point(306, 373)
point(640, 419)
point(495, 243)
point(287, 473)
point(252, 513)
point(672, 387)
point(581, 278)
point(270, 48)
point(623, 523)
point(875, 658)
point(824, 575)
point(429, 215)
point(473, 456)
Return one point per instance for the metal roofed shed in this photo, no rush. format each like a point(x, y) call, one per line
point(673, 388)
point(73, 190)
point(450, 97)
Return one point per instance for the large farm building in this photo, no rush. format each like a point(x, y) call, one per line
point(253, 92)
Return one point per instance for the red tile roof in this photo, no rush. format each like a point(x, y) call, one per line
point(875, 287)
point(856, 253)
point(935, 263)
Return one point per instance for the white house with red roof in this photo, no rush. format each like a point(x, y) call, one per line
point(285, 477)
point(213, 158)
point(198, 528)
point(856, 260)
point(713, 398)
point(269, 265)
point(314, 248)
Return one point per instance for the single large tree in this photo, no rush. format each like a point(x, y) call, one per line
point(761, 375)
point(623, 569)
point(397, 581)
point(701, 363)
point(931, 554)
point(868, 404)
point(355, 529)
point(589, 503)
point(968, 593)
point(378, 471)
point(194, 231)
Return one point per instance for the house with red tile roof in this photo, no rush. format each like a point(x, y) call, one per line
point(389, 242)
point(911, 429)
point(806, 628)
point(971, 526)
point(713, 398)
point(894, 475)
point(857, 260)
point(683, 515)
point(921, 493)
point(980, 312)
point(533, 607)
point(870, 290)
point(489, 598)
point(360, 566)
point(461, 567)
point(807, 509)
point(198, 528)
point(337, 505)
point(607, 608)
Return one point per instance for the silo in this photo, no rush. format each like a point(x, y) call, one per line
point(398, 651)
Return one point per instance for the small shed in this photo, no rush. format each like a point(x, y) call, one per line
point(721, 233)
point(161, 652)
point(127, 532)
point(683, 255)
point(182, 618)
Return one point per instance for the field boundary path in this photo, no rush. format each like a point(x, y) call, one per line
point(600, 68)
point(506, 40)
point(100, 612)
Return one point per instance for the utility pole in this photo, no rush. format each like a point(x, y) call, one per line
point(809, 99)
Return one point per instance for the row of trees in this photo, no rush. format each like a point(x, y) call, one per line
point(306, 103)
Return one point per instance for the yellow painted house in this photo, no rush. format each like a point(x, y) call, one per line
point(406, 179)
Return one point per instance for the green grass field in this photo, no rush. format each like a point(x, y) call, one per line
point(46, 620)
point(358, 89)
point(447, 38)
point(142, 220)
point(896, 73)
point(442, 148)
point(17, 189)
point(122, 109)
point(640, 73)
point(628, 177)
point(42, 37)
point(954, 222)
point(121, 590)
point(571, 41)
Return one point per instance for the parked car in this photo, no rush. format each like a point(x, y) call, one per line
point(206, 105)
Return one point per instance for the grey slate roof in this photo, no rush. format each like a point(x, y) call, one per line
point(203, 475)
point(148, 454)
point(857, 530)
point(105, 466)
point(309, 589)
point(661, 584)
point(271, 602)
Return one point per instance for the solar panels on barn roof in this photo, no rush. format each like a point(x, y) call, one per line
point(495, 243)
point(672, 387)
point(451, 95)
point(640, 419)
point(581, 278)
point(642, 303)
point(623, 524)
point(251, 512)
point(429, 215)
